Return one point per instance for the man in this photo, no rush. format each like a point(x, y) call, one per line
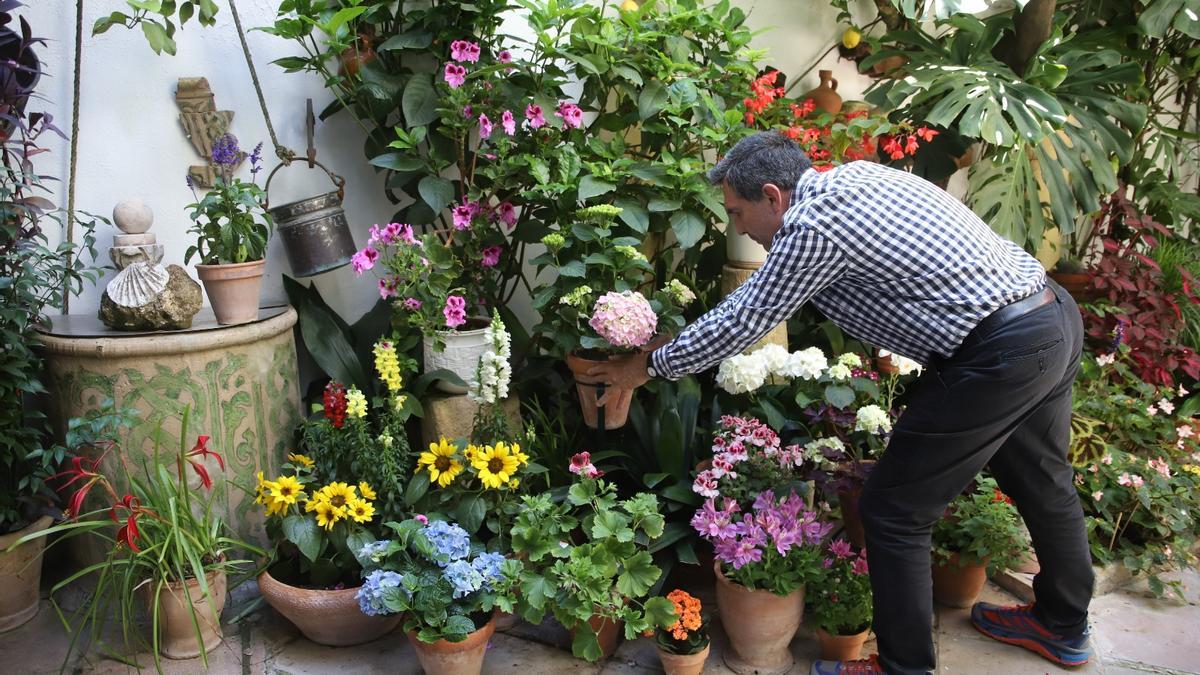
point(902, 265)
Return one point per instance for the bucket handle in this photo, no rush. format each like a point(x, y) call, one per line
point(287, 157)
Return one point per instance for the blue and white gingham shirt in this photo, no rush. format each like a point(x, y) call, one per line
point(889, 257)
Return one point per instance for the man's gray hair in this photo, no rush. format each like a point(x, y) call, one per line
point(765, 157)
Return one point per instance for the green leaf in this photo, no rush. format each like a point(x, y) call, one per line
point(611, 524)
point(633, 214)
point(638, 575)
point(437, 192)
point(459, 625)
point(341, 18)
point(839, 396)
point(688, 228)
point(304, 533)
point(398, 161)
point(664, 204)
point(585, 645)
point(325, 335)
point(419, 104)
point(413, 39)
point(652, 99)
point(574, 269)
point(417, 488)
point(590, 186)
point(660, 612)
point(471, 512)
point(157, 36)
point(1157, 17)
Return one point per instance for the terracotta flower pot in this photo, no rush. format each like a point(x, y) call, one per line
point(1078, 284)
point(683, 664)
point(616, 412)
point(760, 626)
point(233, 290)
point(841, 647)
point(608, 634)
point(330, 618)
point(20, 575)
point(825, 96)
point(955, 586)
point(177, 635)
point(454, 658)
point(358, 55)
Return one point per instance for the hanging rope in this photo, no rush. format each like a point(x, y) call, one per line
point(66, 306)
point(285, 154)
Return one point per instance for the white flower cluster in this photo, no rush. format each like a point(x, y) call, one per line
point(492, 375)
point(903, 364)
point(872, 419)
point(814, 452)
point(742, 373)
point(746, 372)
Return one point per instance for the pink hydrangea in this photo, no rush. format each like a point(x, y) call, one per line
point(533, 113)
point(485, 126)
point(455, 75)
point(464, 51)
point(491, 256)
point(507, 121)
point(624, 319)
point(507, 213)
point(364, 260)
point(455, 311)
point(571, 114)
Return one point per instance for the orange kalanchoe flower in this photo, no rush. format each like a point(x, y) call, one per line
point(687, 608)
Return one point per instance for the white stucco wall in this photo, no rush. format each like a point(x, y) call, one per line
point(131, 143)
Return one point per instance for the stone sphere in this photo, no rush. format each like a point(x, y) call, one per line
point(133, 216)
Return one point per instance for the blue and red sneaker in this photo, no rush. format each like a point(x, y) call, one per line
point(1018, 626)
point(857, 667)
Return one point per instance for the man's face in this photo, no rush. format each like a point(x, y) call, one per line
point(760, 219)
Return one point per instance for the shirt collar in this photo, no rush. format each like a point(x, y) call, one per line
point(804, 186)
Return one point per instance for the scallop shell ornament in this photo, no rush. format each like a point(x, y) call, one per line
point(138, 285)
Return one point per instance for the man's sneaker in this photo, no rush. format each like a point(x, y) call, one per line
point(858, 667)
point(1018, 626)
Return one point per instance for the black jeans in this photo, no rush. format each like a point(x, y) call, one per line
point(1004, 401)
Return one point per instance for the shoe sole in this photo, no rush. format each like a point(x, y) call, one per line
point(1033, 646)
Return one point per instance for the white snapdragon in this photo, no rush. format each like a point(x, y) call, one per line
point(872, 419)
point(493, 373)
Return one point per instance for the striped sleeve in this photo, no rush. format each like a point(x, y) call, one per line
point(802, 262)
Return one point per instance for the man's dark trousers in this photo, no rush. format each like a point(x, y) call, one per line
point(1003, 401)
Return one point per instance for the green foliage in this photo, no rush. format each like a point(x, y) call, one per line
point(230, 223)
point(157, 19)
point(981, 525)
point(840, 602)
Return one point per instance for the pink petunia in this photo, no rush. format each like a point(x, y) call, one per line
point(455, 75)
point(491, 256)
point(533, 113)
point(485, 126)
point(507, 121)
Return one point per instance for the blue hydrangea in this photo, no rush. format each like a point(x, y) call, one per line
point(488, 566)
point(463, 577)
point(370, 594)
point(374, 551)
point(450, 542)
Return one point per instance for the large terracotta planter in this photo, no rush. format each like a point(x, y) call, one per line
point(461, 356)
point(21, 574)
point(616, 412)
point(841, 647)
point(233, 290)
point(608, 634)
point(684, 664)
point(955, 586)
point(177, 636)
point(330, 618)
point(454, 658)
point(760, 626)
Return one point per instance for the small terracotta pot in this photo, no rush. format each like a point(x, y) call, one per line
point(177, 636)
point(851, 518)
point(885, 366)
point(684, 664)
point(955, 586)
point(330, 618)
point(825, 96)
point(20, 575)
point(760, 626)
point(1078, 284)
point(358, 55)
point(454, 658)
point(616, 412)
point(608, 634)
point(233, 290)
point(841, 647)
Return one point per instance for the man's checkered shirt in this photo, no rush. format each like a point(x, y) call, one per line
point(889, 257)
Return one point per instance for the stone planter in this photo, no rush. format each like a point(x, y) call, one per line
point(955, 586)
point(454, 658)
point(178, 637)
point(233, 290)
point(331, 618)
point(760, 626)
point(616, 412)
point(461, 356)
point(21, 574)
point(684, 664)
point(841, 647)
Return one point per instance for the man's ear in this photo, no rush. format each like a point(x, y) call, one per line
point(776, 198)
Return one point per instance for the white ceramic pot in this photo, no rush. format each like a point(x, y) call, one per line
point(742, 251)
point(461, 356)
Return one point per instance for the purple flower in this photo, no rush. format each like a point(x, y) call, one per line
point(255, 159)
point(504, 56)
point(507, 214)
point(190, 184)
point(842, 549)
point(455, 311)
point(455, 75)
point(485, 126)
point(389, 287)
point(364, 260)
point(571, 114)
point(225, 151)
point(467, 112)
point(412, 304)
point(491, 256)
point(533, 113)
point(507, 121)
point(1119, 333)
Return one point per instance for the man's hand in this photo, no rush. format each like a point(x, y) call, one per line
point(624, 373)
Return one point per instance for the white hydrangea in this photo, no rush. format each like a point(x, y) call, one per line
point(850, 360)
point(813, 451)
point(493, 374)
point(807, 364)
point(839, 371)
point(873, 420)
point(775, 357)
point(742, 373)
point(903, 364)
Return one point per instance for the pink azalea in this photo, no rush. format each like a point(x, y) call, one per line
point(485, 126)
point(507, 214)
point(455, 311)
point(571, 114)
point(464, 51)
point(455, 75)
point(533, 113)
point(364, 260)
point(491, 256)
point(507, 121)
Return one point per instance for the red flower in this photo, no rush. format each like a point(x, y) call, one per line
point(128, 533)
point(201, 449)
point(912, 145)
point(335, 403)
point(998, 496)
point(83, 468)
point(927, 134)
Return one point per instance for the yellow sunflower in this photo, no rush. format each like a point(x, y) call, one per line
point(327, 514)
point(440, 462)
point(365, 490)
point(512, 484)
point(360, 510)
point(338, 495)
point(495, 465)
point(286, 490)
point(470, 453)
point(301, 460)
point(521, 457)
point(260, 489)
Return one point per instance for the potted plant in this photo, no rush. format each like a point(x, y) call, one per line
point(979, 534)
point(595, 309)
point(588, 562)
point(840, 605)
point(172, 552)
point(319, 527)
point(684, 645)
point(232, 228)
point(446, 586)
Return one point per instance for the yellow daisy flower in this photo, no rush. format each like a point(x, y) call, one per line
point(440, 462)
point(365, 490)
point(327, 514)
point(286, 490)
point(338, 494)
point(495, 465)
point(521, 457)
point(360, 510)
point(301, 460)
point(512, 484)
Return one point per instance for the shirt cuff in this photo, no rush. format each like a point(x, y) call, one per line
point(658, 359)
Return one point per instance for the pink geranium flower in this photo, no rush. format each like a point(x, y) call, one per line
point(571, 114)
point(509, 124)
point(364, 260)
point(389, 287)
point(412, 304)
point(455, 75)
point(504, 56)
point(533, 113)
point(491, 256)
point(507, 214)
point(485, 126)
point(464, 51)
point(455, 311)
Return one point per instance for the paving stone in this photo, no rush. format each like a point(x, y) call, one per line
point(960, 654)
point(1160, 632)
point(510, 655)
point(389, 654)
point(38, 645)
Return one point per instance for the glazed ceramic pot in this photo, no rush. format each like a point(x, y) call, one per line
point(454, 658)
point(330, 618)
point(760, 626)
point(461, 356)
